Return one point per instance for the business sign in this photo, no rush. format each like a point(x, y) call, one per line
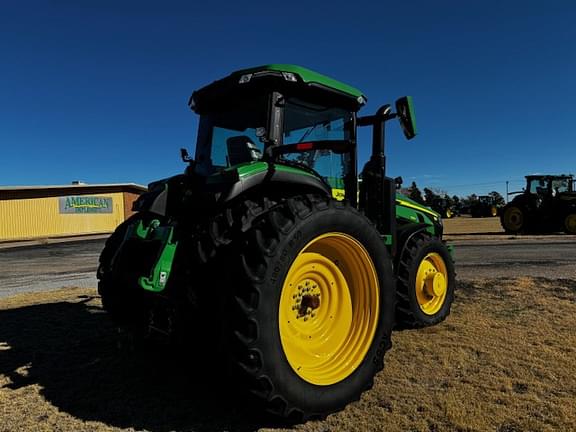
point(85, 204)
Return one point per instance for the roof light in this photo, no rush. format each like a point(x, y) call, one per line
point(192, 103)
point(245, 79)
point(289, 76)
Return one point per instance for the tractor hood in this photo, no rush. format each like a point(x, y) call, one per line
point(404, 201)
point(409, 211)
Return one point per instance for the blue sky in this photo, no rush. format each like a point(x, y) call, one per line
point(97, 92)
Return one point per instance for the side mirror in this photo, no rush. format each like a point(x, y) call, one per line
point(405, 112)
point(185, 156)
point(398, 181)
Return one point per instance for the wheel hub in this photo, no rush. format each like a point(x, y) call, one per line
point(431, 283)
point(513, 218)
point(306, 300)
point(435, 284)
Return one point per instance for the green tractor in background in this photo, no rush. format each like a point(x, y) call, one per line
point(266, 251)
point(547, 204)
point(484, 206)
point(444, 207)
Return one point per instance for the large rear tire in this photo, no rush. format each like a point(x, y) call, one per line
point(314, 307)
point(426, 283)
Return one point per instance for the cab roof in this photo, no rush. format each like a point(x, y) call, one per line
point(281, 77)
point(307, 76)
point(549, 176)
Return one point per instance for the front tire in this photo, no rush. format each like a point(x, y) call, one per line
point(513, 219)
point(426, 283)
point(314, 307)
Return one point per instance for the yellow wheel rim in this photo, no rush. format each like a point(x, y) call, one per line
point(570, 223)
point(431, 283)
point(329, 309)
point(513, 218)
point(493, 211)
point(448, 213)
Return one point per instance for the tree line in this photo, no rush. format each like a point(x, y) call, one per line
point(430, 196)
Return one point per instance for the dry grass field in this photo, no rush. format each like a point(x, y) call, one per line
point(503, 361)
point(468, 225)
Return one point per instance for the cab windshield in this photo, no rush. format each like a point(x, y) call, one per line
point(305, 122)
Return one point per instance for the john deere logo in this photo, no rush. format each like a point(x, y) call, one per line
point(85, 204)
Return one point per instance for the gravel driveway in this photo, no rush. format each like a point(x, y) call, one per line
point(73, 264)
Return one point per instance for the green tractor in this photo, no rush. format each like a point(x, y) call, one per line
point(267, 253)
point(444, 206)
point(547, 204)
point(484, 206)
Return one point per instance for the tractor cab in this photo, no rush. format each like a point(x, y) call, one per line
point(275, 117)
point(282, 115)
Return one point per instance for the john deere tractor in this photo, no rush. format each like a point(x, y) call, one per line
point(268, 254)
point(547, 204)
point(484, 206)
point(444, 206)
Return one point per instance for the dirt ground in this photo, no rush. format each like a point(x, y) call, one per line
point(503, 361)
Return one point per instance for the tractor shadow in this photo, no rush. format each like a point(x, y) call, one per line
point(70, 350)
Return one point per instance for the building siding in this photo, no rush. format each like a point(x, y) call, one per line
point(129, 198)
point(28, 218)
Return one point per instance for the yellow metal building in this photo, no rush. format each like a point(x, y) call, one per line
point(32, 212)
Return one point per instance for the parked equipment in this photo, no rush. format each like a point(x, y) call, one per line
point(547, 204)
point(444, 207)
point(484, 206)
point(264, 249)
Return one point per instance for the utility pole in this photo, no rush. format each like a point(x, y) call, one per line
point(506, 191)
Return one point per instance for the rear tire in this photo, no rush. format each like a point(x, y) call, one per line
point(313, 297)
point(426, 283)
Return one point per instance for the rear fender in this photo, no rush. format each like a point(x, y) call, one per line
point(194, 195)
point(277, 181)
